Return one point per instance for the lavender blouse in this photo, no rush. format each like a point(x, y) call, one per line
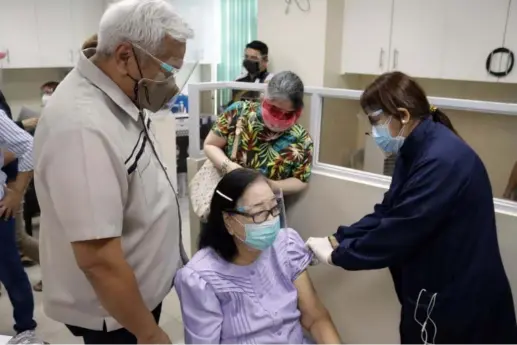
point(224, 303)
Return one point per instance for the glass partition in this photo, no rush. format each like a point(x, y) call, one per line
point(345, 141)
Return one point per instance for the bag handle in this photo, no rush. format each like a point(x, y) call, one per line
point(236, 141)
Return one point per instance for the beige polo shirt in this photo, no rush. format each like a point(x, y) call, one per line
point(96, 177)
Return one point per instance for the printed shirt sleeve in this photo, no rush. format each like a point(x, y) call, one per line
point(226, 122)
point(200, 308)
point(17, 141)
point(303, 168)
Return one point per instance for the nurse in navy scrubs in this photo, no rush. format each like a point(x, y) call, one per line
point(435, 228)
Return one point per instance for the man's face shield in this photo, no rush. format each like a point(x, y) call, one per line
point(175, 72)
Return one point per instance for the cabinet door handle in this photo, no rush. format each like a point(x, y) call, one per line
point(8, 56)
point(395, 58)
point(381, 59)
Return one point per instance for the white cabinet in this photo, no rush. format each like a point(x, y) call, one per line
point(86, 16)
point(417, 35)
point(366, 36)
point(46, 33)
point(473, 29)
point(510, 42)
point(441, 39)
point(18, 34)
point(54, 34)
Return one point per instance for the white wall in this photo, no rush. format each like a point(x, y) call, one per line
point(297, 41)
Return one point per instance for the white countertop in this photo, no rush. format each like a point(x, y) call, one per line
point(4, 339)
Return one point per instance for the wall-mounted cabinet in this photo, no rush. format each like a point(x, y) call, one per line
point(49, 33)
point(441, 39)
point(369, 52)
point(416, 51)
point(46, 33)
point(18, 39)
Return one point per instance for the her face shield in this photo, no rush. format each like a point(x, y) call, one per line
point(264, 211)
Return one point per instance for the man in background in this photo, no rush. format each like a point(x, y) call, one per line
point(47, 90)
point(255, 63)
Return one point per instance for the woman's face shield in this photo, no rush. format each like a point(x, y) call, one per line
point(265, 210)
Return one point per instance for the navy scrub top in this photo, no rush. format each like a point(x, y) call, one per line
point(435, 229)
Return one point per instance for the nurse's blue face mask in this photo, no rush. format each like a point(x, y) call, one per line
point(382, 135)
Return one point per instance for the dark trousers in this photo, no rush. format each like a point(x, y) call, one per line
point(14, 278)
point(120, 336)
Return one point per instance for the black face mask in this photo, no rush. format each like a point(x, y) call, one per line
point(252, 67)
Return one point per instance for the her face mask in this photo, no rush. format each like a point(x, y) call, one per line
point(383, 138)
point(262, 236)
point(278, 120)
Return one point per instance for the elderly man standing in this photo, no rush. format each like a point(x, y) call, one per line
point(110, 228)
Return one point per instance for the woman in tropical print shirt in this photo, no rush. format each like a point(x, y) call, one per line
point(271, 140)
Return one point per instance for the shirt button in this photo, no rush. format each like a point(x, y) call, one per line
point(252, 273)
point(279, 332)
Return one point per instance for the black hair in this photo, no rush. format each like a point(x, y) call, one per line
point(214, 233)
point(51, 84)
point(5, 106)
point(260, 46)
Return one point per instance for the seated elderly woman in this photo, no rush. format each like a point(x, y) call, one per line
point(248, 282)
point(272, 141)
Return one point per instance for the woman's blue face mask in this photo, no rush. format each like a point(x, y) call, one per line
point(262, 236)
point(382, 135)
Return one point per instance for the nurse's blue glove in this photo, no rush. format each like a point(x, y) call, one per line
point(321, 248)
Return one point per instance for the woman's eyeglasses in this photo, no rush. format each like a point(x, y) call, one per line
point(261, 216)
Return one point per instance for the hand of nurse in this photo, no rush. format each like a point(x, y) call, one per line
point(321, 248)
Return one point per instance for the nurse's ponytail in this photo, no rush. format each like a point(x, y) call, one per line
point(395, 90)
point(440, 117)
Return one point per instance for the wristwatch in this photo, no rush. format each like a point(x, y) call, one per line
point(224, 166)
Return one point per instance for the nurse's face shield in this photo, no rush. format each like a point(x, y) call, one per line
point(265, 210)
point(371, 119)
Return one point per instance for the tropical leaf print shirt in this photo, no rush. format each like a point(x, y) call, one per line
point(277, 156)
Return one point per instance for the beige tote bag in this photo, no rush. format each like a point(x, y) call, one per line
point(202, 186)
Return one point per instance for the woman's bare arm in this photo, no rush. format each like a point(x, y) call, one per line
point(289, 186)
point(213, 148)
point(315, 317)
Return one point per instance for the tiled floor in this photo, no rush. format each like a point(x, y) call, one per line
point(55, 333)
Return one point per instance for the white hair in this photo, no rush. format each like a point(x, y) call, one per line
point(144, 22)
